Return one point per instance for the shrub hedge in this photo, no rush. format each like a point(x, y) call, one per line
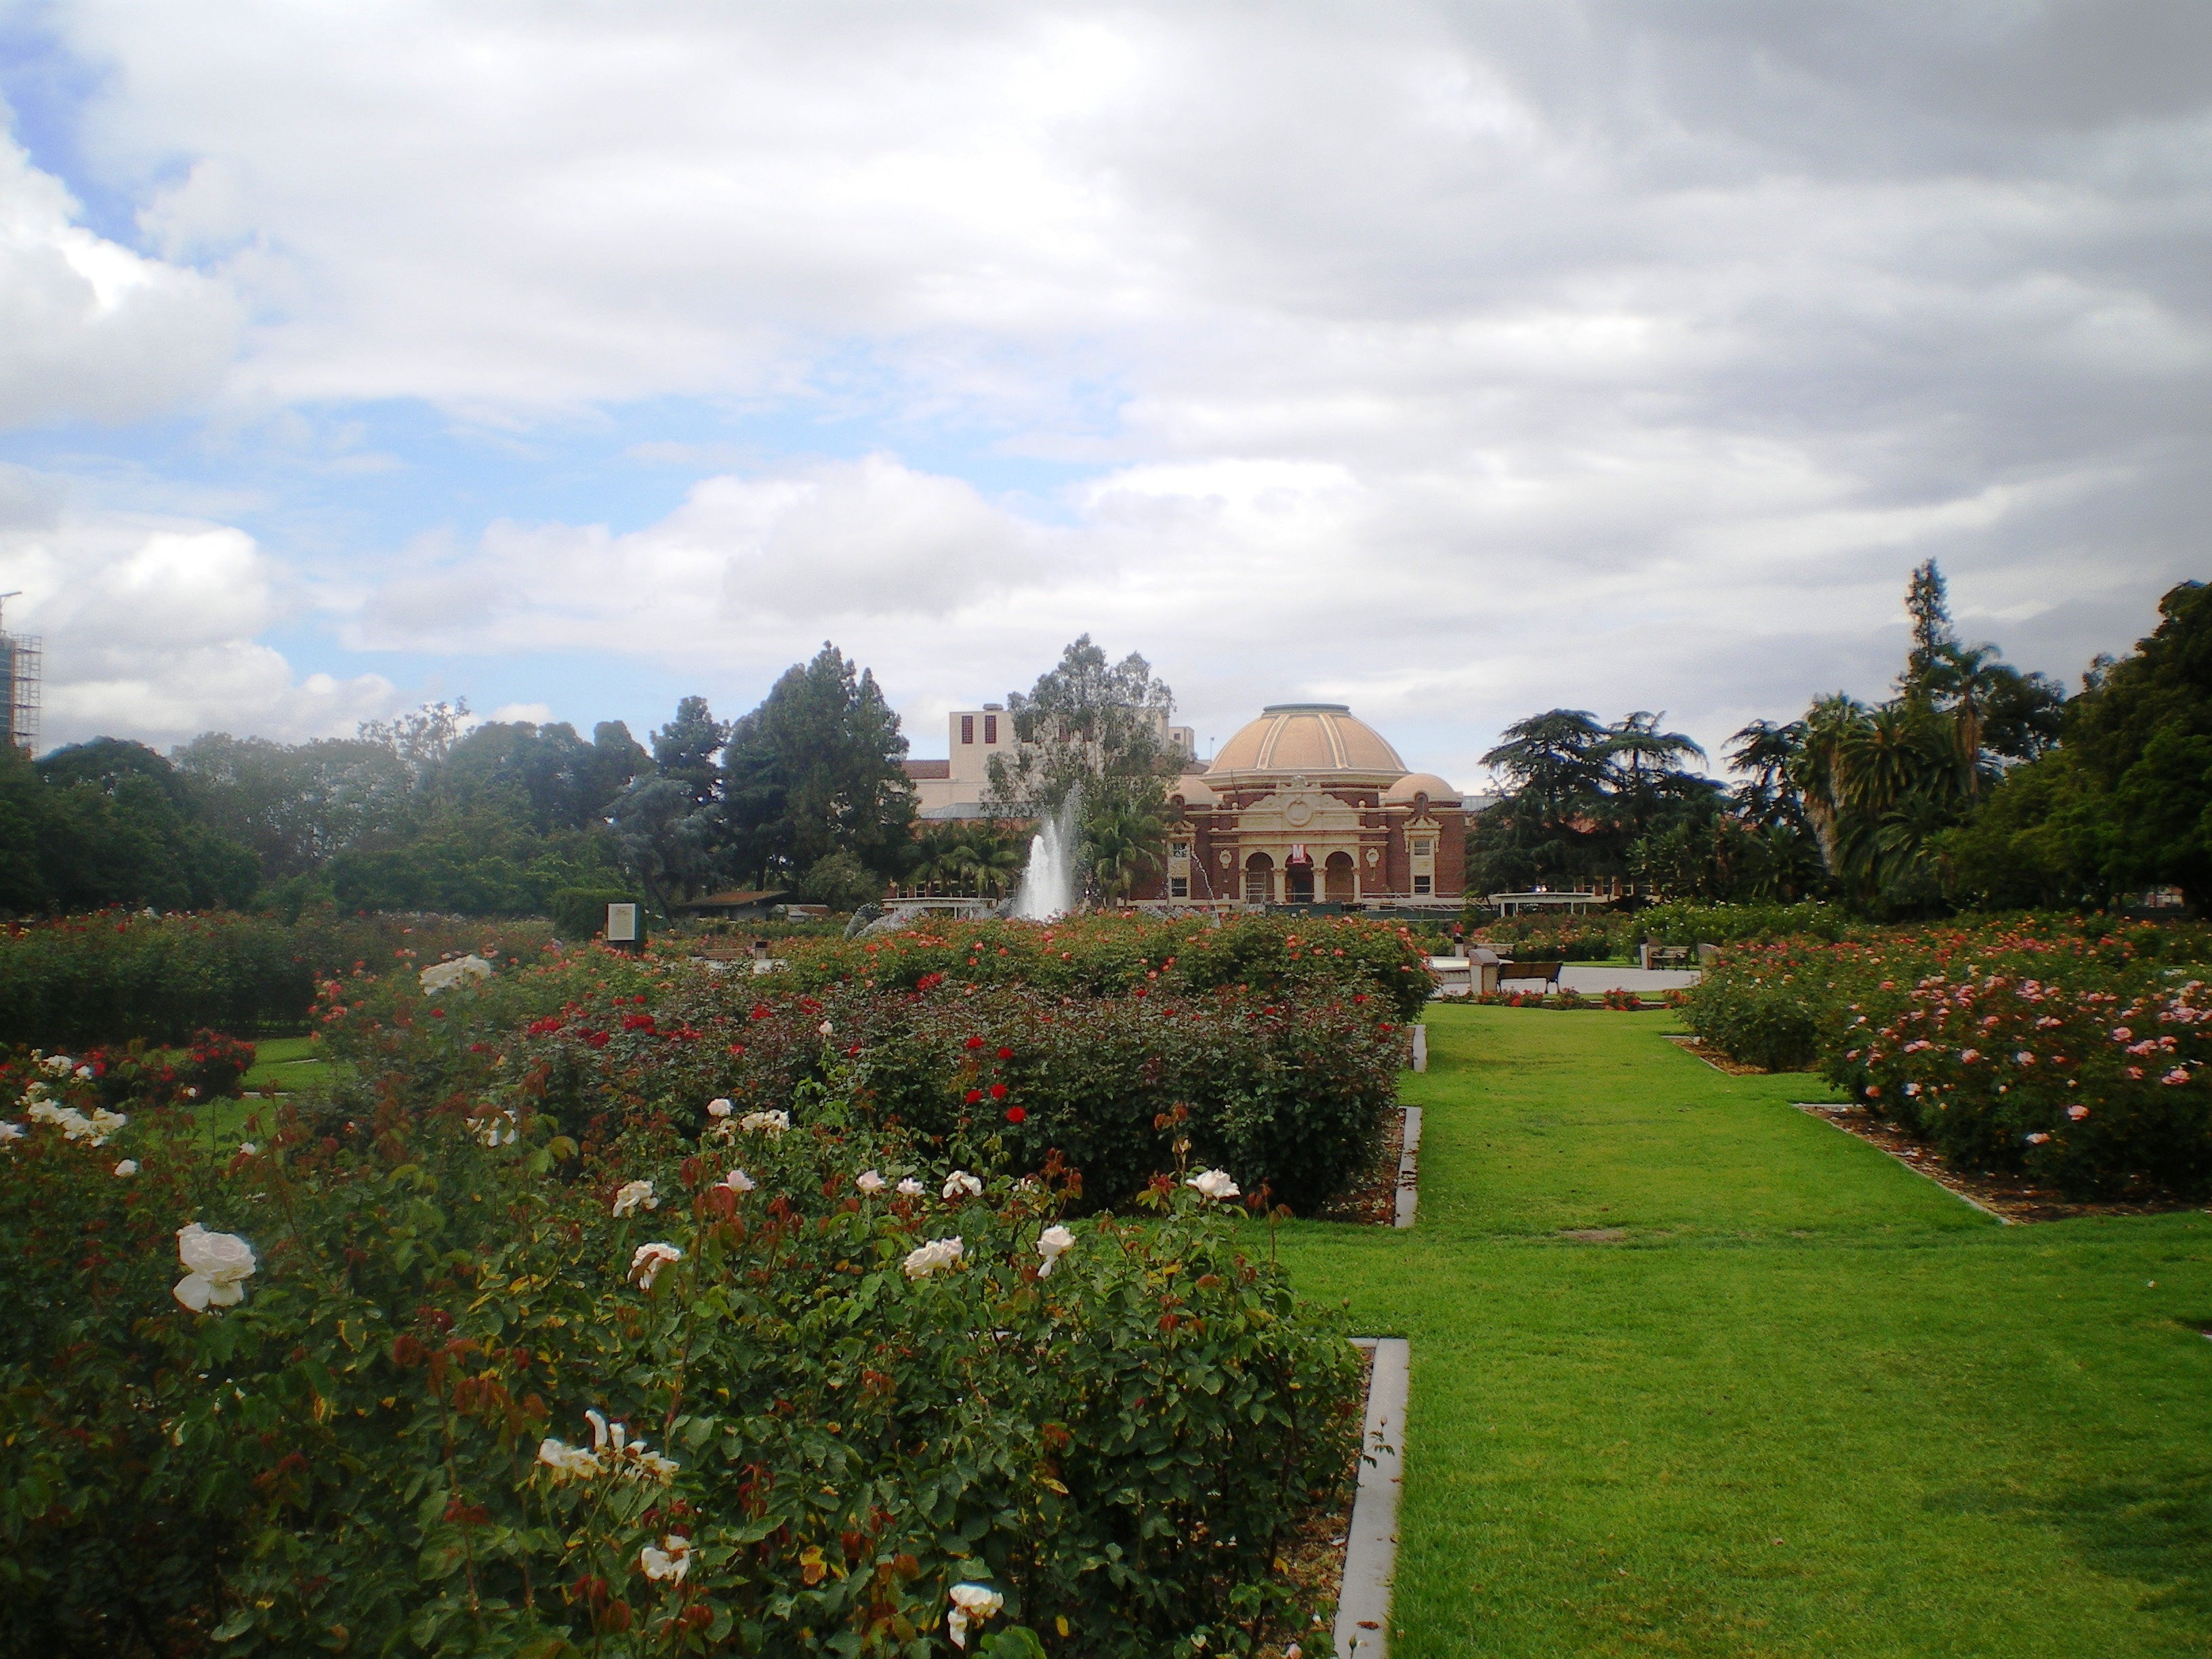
point(820, 1411)
point(2056, 1047)
point(114, 976)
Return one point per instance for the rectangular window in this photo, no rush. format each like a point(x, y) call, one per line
point(1422, 884)
point(1424, 847)
point(966, 728)
point(1178, 886)
point(1179, 849)
point(990, 728)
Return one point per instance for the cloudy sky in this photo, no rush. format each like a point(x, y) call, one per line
point(1454, 361)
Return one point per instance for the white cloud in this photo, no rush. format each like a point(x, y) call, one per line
point(1456, 360)
point(89, 328)
point(149, 627)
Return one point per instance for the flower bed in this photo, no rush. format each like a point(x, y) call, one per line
point(1291, 1091)
point(2072, 1055)
point(1105, 955)
point(441, 1376)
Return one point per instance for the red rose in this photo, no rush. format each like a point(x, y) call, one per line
point(736, 1047)
point(1016, 1115)
point(974, 1043)
point(974, 1095)
point(998, 1092)
point(1005, 1053)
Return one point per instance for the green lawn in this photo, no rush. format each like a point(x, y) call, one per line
point(281, 1064)
point(1810, 1405)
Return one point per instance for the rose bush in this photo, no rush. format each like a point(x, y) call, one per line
point(1289, 1090)
point(1120, 954)
point(420, 1380)
point(2071, 1052)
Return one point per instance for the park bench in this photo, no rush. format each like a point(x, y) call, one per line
point(1667, 956)
point(1548, 972)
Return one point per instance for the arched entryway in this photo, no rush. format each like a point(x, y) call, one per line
point(1336, 878)
point(1298, 876)
point(1259, 879)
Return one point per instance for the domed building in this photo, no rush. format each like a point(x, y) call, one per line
point(1309, 805)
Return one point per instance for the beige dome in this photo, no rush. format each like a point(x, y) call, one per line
point(1193, 790)
point(1308, 740)
point(1439, 792)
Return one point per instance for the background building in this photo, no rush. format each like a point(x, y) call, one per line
point(956, 787)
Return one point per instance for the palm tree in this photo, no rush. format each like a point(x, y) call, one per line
point(1121, 848)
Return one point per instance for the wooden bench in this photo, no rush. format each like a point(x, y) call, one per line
point(1547, 972)
point(1658, 956)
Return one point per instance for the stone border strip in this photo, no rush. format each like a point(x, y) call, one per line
point(1812, 1108)
point(1408, 1191)
point(1370, 1553)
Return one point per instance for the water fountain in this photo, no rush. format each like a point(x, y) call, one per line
point(1047, 885)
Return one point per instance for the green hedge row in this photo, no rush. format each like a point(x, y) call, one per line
point(116, 977)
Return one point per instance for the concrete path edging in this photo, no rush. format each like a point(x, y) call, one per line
point(1408, 1173)
point(1370, 1553)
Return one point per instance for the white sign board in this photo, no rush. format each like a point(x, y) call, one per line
point(622, 924)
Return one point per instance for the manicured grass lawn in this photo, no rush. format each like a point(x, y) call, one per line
point(281, 1064)
point(1810, 1405)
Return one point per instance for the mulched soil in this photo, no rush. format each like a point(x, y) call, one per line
point(1374, 1201)
point(1715, 1058)
point(1312, 1562)
point(2013, 1197)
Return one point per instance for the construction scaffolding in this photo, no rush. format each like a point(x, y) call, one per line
point(23, 664)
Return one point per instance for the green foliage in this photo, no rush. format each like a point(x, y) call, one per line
point(815, 770)
point(580, 913)
point(110, 823)
point(1088, 729)
point(1106, 954)
point(2126, 803)
point(111, 978)
point(1730, 924)
point(840, 881)
point(1580, 797)
point(388, 1445)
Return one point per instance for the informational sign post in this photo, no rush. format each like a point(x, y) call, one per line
point(622, 925)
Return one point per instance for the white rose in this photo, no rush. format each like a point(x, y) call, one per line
point(1213, 1183)
point(926, 1259)
point(444, 976)
point(971, 1604)
point(632, 1194)
point(910, 1187)
point(129, 1166)
point(959, 1182)
point(671, 1561)
point(1053, 1243)
point(869, 1182)
point(564, 1459)
point(739, 1181)
point(645, 1264)
point(773, 1123)
point(220, 1265)
point(719, 1109)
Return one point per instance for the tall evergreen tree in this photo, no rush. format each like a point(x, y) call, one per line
point(816, 769)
